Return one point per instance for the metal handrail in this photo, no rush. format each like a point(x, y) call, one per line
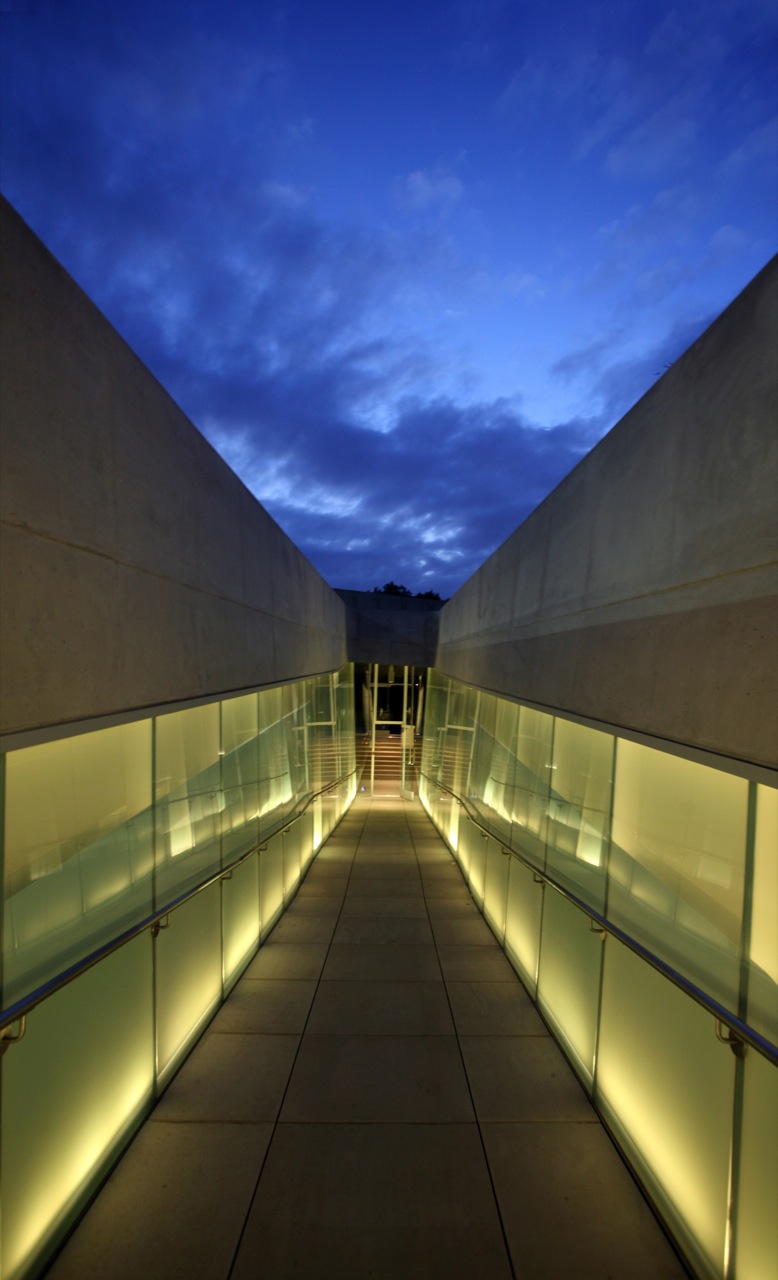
point(742, 1031)
point(18, 1012)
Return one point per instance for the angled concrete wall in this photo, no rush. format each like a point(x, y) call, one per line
point(396, 629)
point(136, 568)
point(643, 591)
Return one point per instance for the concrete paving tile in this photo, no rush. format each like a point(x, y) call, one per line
point(475, 964)
point(272, 1007)
point(383, 929)
point(386, 962)
point(433, 857)
point(355, 906)
point(330, 870)
point(382, 886)
point(441, 872)
point(231, 1078)
point(455, 892)
point(471, 931)
point(397, 870)
point(494, 1009)
point(336, 855)
point(323, 887)
point(393, 855)
point(298, 927)
point(377, 1079)
point(289, 959)
point(388, 1202)
point(377, 851)
point(452, 907)
point(570, 1207)
point(381, 1008)
point(523, 1078)
point(313, 906)
point(175, 1205)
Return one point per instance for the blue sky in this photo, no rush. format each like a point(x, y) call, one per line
point(402, 264)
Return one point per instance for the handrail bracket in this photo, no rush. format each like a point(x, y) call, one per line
point(8, 1036)
point(159, 925)
point(736, 1044)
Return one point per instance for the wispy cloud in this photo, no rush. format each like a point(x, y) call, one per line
point(428, 189)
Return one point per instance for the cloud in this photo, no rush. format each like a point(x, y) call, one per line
point(659, 144)
point(585, 360)
point(622, 383)
point(757, 151)
point(443, 488)
point(427, 190)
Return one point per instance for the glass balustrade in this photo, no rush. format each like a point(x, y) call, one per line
point(102, 831)
point(682, 856)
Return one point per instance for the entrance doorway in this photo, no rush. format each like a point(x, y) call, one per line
point(391, 699)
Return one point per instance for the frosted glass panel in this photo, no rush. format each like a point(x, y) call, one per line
point(240, 775)
point(188, 971)
point(78, 850)
point(496, 887)
point(473, 844)
point(522, 922)
point(569, 978)
point(271, 883)
point(763, 955)
point(291, 848)
point(579, 809)
point(189, 798)
point(240, 916)
point(756, 1222)
point(667, 1086)
point(678, 863)
point(279, 743)
point(532, 783)
point(72, 1089)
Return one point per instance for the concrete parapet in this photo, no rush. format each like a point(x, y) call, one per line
point(643, 591)
point(136, 567)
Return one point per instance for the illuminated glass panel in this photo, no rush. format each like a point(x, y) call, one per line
point(72, 1090)
point(677, 866)
point(240, 775)
point(666, 1085)
point(523, 914)
point(579, 809)
point(763, 952)
point(569, 978)
point(756, 1193)
point(189, 799)
point(534, 746)
point(240, 917)
point(78, 850)
point(188, 975)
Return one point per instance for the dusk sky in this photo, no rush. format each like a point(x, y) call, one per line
point(403, 264)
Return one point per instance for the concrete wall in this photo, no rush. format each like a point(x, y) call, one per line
point(643, 591)
point(396, 629)
point(136, 568)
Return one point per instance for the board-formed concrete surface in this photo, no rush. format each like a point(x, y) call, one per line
point(354, 1111)
point(391, 629)
point(137, 569)
point(643, 592)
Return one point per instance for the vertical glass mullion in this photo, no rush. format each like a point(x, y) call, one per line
point(730, 1259)
point(614, 759)
point(155, 849)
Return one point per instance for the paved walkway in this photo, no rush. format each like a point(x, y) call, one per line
point(377, 1099)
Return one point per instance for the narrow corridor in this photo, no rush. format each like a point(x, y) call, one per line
point(377, 1098)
